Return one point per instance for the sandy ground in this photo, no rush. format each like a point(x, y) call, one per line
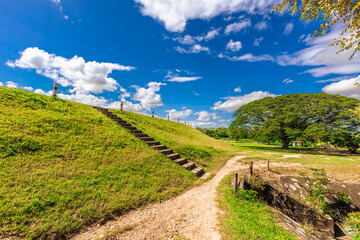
point(192, 215)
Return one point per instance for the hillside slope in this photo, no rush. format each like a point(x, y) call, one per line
point(64, 165)
point(207, 152)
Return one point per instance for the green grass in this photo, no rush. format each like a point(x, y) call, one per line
point(207, 152)
point(341, 167)
point(245, 219)
point(64, 165)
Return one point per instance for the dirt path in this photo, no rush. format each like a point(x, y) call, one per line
point(192, 215)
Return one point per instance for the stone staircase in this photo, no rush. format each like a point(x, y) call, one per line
point(175, 157)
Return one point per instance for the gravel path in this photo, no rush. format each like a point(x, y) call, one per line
point(192, 215)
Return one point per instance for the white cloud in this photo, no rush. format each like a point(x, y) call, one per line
point(248, 58)
point(197, 48)
point(258, 41)
point(28, 89)
point(237, 26)
point(345, 88)
point(65, 17)
point(203, 116)
point(11, 84)
point(234, 46)
point(320, 54)
point(40, 91)
point(175, 115)
point(190, 40)
point(288, 28)
point(183, 79)
point(171, 77)
point(238, 89)
point(175, 13)
point(74, 72)
point(147, 96)
point(337, 79)
point(200, 124)
point(263, 25)
point(305, 38)
point(56, 1)
point(1, 84)
point(233, 103)
point(287, 81)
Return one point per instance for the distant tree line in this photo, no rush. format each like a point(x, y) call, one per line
point(312, 118)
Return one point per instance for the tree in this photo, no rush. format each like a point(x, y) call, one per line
point(331, 12)
point(298, 116)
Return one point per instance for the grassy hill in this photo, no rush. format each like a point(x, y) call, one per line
point(205, 151)
point(64, 165)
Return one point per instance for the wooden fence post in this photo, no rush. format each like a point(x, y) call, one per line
point(185, 122)
point(153, 113)
point(168, 117)
point(56, 86)
point(251, 168)
point(268, 165)
point(121, 106)
point(178, 119)
point(236, 182)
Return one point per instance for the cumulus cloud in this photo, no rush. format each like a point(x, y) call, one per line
point(344, 88)
point(237, 26)
point(175, 115)
point(74, 72)
point(148, 97)
point(28, 89)
point(175, 13)
point(197, 48)
point(288, 28)
point(325, 57)
point(233, 103)
point(11, 84)
point(1, 84)
point(234, 46)
point(258, 41)
point(248, 58)
point(203, 116)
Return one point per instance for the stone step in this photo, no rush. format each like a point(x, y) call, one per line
point(136, 131)
point(165, 151)
point(123, 123)
point(173, 156)
point(130, 128)
point(189, 165)
point(140, 135)
point(180, 161)
point(198, 171)
point(152, 143)
point(146, 138)
point(159, 147)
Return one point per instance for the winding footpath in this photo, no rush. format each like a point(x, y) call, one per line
point(192, 214)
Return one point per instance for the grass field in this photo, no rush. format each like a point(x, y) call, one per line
point(246, 219)
point(337, 166)
point(64, 165)
point(189, 142)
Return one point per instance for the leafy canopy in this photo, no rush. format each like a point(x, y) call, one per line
point(331, 12)
point(318, 116)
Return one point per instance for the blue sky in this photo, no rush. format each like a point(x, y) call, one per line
point(198, 61)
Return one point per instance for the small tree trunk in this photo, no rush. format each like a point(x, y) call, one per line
point(285, 144)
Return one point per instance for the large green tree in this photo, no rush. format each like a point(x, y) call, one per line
point(330, 12)
point(300, 116)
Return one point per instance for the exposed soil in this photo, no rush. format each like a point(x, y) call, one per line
point(192, 215)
